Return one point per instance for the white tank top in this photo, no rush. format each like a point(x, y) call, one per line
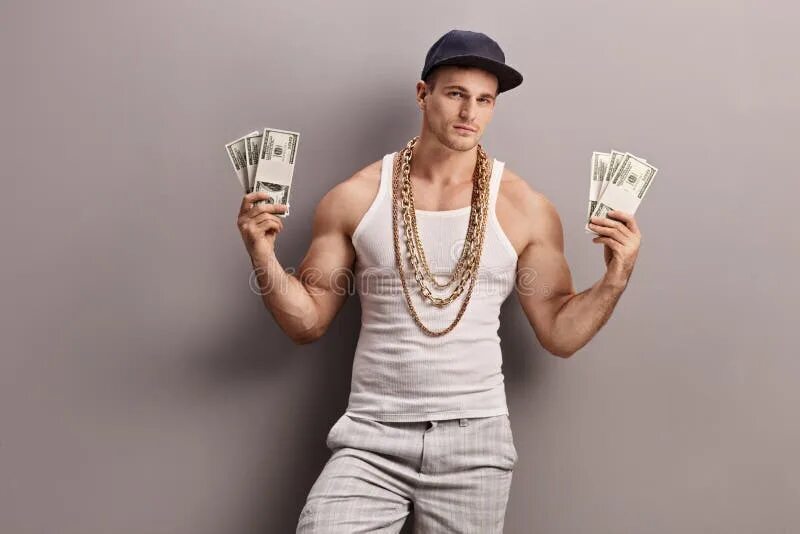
point(400, 373)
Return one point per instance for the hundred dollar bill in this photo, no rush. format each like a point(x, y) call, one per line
point(627, 188)
point(614, 159)
point(600, 162)
point(276, 165)
point(252, 147)
point(603, 169)
point(236, 152)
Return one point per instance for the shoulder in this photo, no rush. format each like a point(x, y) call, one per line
point(522, 196)
point(347, 201)
point(529, 206)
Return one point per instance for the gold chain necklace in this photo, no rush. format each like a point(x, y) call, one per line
point(467, 267)
point(469, 239)
point(470, 255)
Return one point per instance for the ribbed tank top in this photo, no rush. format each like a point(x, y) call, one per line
point(400, 373)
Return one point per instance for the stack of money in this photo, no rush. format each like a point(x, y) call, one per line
point(264, 161)
point(618, 181)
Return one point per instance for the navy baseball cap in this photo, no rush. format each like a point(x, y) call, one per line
point(473, 49)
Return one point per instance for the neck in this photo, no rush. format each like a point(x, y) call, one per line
point(441, 165)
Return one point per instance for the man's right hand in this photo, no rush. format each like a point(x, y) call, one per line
point(259, 225)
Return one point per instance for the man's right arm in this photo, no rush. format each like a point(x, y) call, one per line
point(304, 303)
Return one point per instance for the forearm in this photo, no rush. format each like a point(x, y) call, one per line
point(287, 299)
point(583, 314)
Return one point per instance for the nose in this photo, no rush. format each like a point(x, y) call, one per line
point(468, 110)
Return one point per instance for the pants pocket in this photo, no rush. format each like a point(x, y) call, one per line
point(510, 439)
point(331, 439)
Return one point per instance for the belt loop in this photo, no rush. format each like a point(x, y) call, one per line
point(463, 421)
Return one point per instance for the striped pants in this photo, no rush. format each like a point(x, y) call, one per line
point(455, 475)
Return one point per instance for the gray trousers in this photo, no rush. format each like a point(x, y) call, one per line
point(455, 474)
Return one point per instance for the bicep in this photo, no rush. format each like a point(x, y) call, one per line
point(326, 269)
point(544, 281)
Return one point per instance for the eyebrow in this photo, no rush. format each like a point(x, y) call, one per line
point(464, 89)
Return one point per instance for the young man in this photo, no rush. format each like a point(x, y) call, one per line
point(427, 426)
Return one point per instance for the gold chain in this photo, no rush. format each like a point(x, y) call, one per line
point(467, 267)
point(469, 253)
point(472, 227)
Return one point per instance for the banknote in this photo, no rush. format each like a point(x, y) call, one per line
point(614, 159)
point(627, 187)
point(597, 174)
point(252, 147)
point(236, 152)
point(276, 165)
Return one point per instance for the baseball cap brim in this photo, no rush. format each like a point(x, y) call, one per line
point(507, 77)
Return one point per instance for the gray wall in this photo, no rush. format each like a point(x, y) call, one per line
point(144, 388)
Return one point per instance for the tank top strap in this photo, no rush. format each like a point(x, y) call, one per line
point(387, 174)
point(494, 182)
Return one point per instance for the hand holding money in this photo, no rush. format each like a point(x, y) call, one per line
point(618, 182)
point(620, 234)
point(259, 223)
point(264, 161)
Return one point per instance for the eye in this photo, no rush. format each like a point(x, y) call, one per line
point(454, 92)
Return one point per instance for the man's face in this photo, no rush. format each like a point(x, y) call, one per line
point(460, 97)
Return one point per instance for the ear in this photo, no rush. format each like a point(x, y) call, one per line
point(421, 94)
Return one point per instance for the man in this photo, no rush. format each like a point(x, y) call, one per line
point(427, 426)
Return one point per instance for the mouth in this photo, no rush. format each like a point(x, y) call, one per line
point(463, 128)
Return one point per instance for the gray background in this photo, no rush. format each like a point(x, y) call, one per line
point(145, 389)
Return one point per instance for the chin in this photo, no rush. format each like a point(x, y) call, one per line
point(455, 141)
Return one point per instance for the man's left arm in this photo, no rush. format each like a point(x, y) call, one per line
point(564, 320)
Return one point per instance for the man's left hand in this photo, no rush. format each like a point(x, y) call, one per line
point(621, 236)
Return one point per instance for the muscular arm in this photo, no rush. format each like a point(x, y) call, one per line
point(564, 320)
point(304, 303)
